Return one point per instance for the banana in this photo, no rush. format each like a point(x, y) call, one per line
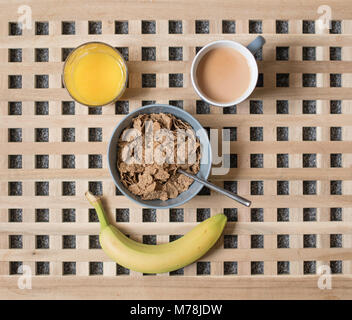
point(156, 258)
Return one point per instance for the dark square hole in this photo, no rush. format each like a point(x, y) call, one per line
point(95, 161)
point(42, 242)
point(175, 53)
point(257, 160)
point(230, 241)
point(283, 214)
point(122, 215)
point(96, 187)
point(15, 108)
point(15, 82)
point(283, 241)
point(42, 188)
point(203, 268)
point(260, 81)
point(256, 133)
point(256, 106)
point(204, 192)
point(309, 106)
point(309, 214)
point(283, 188)
point(68, 161)
point(15, 215)
point(148, 102)
point(16, 267)
point(175, 80)
point(309, 187)
point(255, 26)
point(231, 214)
point(42, 135)
point(176, 215)
point(309, 241)
point(94, 242)
point(336, 160)
point(231, 135)
point(282, 80)
point(69, 215)
point(335, 214)
point(203, 214)
point(68, 27)
point(69, 242)
point(231, 186)
point(335, 107)
point(15, 29)
point(335, 80)
point(308, 26)
point(95, 110)
point(335, 53)
point(15, 135)
point(336, 266)
point(202, 107)
point(41, 55)
point(202, 26)
point(282, 106)
point(229, 110)
point(309, 53)
point(15, 161)
point(283, 267)
point(94, 27)
point(68, 107)
point(15, 188)
point(42, 215)
point(309, 80)
point(42, 28)
point(68, 188)
point(335, 133)
point(309, 133)
point(257, 188)
point(257, 267)
point(309, 160)
point(230, 267)
point(148, 80)
point(282, 133)
point(257, 241)
point(336, 241)
point(281, 26)
point(233, 160)
point(149, 239)
point(174, 237)
point(120, 270)
point(122, 107)
point(149, 215)
point(148, 53)
point(282, 53)
point(121, 27)
point(42, 161)
point(148, 27)
point(176, 103)
point(68, 268)
point(175, 26)
point(93, 217)
point(15, 55)
point(15, 242)
point(257, 215)
point(336, 187)
point(96, 268)
point(198, 49)
point(42, 108)
point(228, 26)
point(336, 27)
point(95, 134)
point(42, 81)
point(65, 53)
point(42, 268)
point(124, 52)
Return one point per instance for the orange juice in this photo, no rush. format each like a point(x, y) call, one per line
point(95, 74)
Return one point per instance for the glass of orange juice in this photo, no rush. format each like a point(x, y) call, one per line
point(95, 74)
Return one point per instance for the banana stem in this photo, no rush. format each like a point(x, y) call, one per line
point(98, 206)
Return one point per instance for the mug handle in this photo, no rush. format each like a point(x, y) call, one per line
point(256, 44)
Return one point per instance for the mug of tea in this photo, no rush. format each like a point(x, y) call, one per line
point(224, 72)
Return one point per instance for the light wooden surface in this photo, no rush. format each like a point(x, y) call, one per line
point(243, 285)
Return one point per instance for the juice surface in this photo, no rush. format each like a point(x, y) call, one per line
point(95, 74)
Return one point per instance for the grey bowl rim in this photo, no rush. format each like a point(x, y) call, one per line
point(145, 205)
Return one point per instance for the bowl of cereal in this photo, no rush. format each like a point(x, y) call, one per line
point(146, 149)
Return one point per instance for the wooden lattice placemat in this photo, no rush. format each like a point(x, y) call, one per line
point(291, 150)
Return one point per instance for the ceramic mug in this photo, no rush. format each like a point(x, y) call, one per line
point(247, 52)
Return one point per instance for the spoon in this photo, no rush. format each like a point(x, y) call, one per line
point(212, 186)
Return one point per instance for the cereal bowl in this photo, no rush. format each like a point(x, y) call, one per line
point(205, 165)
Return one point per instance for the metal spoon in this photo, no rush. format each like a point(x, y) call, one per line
point(212, 186)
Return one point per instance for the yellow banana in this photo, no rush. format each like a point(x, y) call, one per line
point(157, 258)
